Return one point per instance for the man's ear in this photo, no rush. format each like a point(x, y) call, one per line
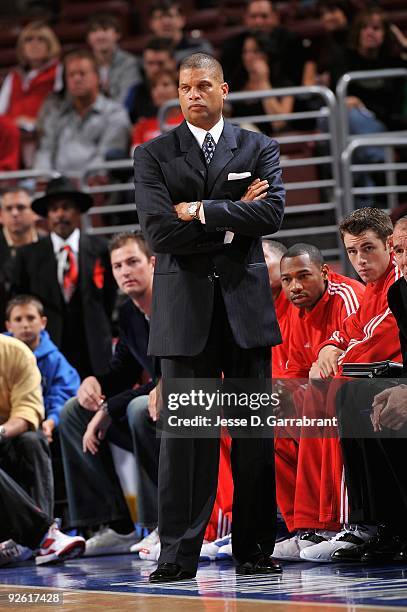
point(390, 243)
point(325, 270)
point(152, 260)
point(44, 322)
point(8, 325)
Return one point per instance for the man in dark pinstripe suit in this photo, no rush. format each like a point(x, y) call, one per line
point(212, 308)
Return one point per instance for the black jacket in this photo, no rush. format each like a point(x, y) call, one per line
point(172, 169)
point(129, 361)
point(35, 272)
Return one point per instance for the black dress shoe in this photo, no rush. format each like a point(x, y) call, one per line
point(170, 572)
point(259, 565)
point(386, 550)
point(385, 547)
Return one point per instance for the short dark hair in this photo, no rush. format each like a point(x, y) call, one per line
point(81, 53)
point(14, 189)
point(24, 300)
point(164, 6)
point(275, 247)
point(328, 6)
point(104, 21)
point(302, 248)
point(159, 43)
point(119, 240)
point(203, 61)
point(367, 218)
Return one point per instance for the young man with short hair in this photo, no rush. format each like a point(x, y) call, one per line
point(167, 20)
point(118, 69)
point(18, 228)
point(321, 299)
point(370, 335)
point(111, 408)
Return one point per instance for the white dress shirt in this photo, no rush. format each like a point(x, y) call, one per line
point(199, 135)
point(58, 244)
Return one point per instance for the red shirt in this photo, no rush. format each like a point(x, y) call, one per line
point(279, 353)
point(309, 328)
point(27, 92)
point(148, 128)
point(372, 333)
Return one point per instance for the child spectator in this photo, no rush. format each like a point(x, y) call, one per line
point(60, 381)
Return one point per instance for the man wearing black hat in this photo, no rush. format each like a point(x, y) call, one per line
point(70, 273)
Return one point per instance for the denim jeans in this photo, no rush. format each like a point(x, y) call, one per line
point(93, 487)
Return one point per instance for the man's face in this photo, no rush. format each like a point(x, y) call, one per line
point(155, 61)
point(303, 281)
point(399, 242)
point(16, 213)
point(333, 19)
point(81, 78)
point(201, 95)
point(26, 323)
point(63, 217)
point(273, 267)
point(132, 269)
point(368, 255)
point(103, 39)
point(167, 24)
point(260, 17)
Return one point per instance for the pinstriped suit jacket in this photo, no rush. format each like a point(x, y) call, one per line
point(171, 169)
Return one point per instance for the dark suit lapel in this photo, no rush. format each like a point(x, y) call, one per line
point(193, 154)
point(49, 270)
point(403, 307)
point(222, 156)
point(86, 259)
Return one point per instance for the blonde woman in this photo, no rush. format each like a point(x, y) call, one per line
point(38, 73)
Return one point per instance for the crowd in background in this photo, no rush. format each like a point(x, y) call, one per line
point(97, 102)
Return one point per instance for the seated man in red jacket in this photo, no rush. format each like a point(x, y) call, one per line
point(369, 335)
point(321, 300)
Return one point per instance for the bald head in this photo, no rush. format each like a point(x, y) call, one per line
point(399, 243)
point(273, 252)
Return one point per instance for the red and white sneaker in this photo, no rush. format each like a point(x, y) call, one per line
point(56, 546)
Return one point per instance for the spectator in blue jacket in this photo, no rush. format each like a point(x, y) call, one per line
point(60, 381)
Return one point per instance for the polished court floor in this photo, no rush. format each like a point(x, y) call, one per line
point(120, 583)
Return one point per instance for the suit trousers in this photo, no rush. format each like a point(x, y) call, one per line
point(26, 458)
point(188, 467)
point(93, 487)
point(20, 518)
point(375, 472)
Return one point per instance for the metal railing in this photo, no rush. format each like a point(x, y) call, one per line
point(387, 140)
point(346, 139)
point(328, 159)
point(337, 148)
point(342, 92)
